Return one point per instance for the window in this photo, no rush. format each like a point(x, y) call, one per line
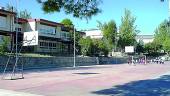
point(18, 29)
point(63, 28)
point(47, 29)
point(48, 45)
point(3, 21)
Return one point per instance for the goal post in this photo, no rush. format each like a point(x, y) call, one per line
point(130, 50)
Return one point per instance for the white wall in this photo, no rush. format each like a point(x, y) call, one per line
point(30, 26)
point(147, 41)
point(94, 34)
point(144, 39)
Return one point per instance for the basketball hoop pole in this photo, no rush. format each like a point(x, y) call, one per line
point(16, 34)
point(145, 60)
point(16, 42)
point(74, 47)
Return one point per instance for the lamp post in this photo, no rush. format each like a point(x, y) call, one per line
point(74, 29)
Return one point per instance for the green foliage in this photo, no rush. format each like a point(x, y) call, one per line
point(86, 46)
point(24, 14)
point(79, 8)
point(140, 47)
point(109, 32)
point(99, 47)
point(93, 47)
point(162, 35)
point(78, 36)
point(67, 22)
point(10, 8)
point(2, 52)
point(4, 45)
point(166, 45)
point(21, 14)
point(152, 47)
point(127, 30)
point(103, 48)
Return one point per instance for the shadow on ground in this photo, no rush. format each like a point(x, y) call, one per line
point(151, 87)
point(40, 70)
point(86, 73)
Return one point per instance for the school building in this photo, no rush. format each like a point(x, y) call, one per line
point(53, 37)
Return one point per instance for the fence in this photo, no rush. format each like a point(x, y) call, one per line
point(57, 62)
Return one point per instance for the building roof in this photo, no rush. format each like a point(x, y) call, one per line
point(21, 20)
point(145, 36)
point(2, 11)
point(51, 23)
point(81, 32)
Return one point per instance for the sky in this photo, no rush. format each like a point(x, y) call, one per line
point(149, 13)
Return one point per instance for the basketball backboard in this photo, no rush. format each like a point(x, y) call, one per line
point(30, 38)
point(129, 49)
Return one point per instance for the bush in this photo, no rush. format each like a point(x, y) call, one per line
point(4, 45)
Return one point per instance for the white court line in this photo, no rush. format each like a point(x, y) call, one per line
point(14, 93)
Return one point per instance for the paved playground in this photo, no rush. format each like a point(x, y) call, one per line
point(99, 80)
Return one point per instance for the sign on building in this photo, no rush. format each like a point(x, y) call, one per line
point(129, 49)
point(30, 38)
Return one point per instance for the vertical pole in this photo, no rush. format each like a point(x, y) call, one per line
point(16, 42)
point(132, 61)
point(74, 48)
point(16, 35)
point(145, 60)
point(169, 14)
point(169, 8)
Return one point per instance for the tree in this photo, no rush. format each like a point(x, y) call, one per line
point(24, 14)
point(148, 48)
point(140, 47)
point(127, 30)
point(162, 35)
point(86, 46)
point(78, 36)
point(10, 8)
point(79, 8)
point(103, 48)
point(166, 45)
point(95, 47)
point(99, 47)
point(67, 22)
point(162, 32)
point(21, 14)
point(152, 47)
point(109, 32)
point(4, 45)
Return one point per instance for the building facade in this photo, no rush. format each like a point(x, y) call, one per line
point(97, 34)
point(6, 25)
point(52, 37)
point(145, 38)
point(94, 33)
